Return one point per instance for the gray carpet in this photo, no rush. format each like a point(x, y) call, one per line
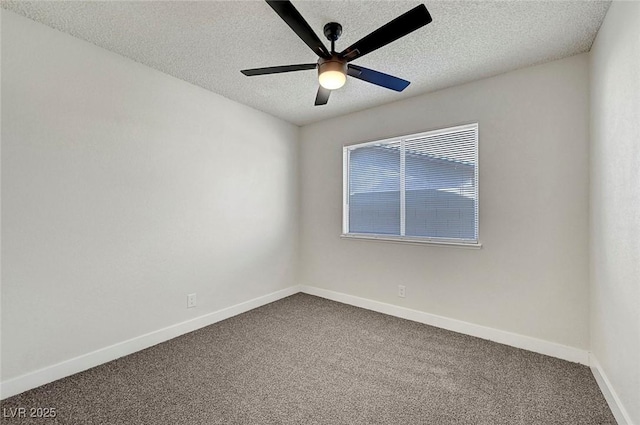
point(306, 360)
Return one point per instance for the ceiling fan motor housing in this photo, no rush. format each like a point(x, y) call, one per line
point(334, 63)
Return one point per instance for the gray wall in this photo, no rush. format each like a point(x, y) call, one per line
point(615, 203)
point(531, 275)
point(124, 189)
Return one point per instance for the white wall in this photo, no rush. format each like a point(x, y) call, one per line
point(531, 276)
point(615, 203)
point(124, 189)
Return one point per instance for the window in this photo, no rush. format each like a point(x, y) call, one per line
point(418, 188)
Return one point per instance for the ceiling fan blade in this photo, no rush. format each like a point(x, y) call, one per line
point(294, 19)
point(323, 96)
point(278, 69)
point(404, 24)
point(378, 78)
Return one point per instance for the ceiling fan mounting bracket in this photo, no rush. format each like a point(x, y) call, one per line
point(333, 31)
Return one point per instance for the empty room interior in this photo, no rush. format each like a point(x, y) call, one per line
point(319, 212)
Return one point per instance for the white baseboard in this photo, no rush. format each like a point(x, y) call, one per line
point(616, 406)
point(69, 367)
point(548, 348)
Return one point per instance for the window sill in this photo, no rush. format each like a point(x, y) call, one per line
point(409, 240)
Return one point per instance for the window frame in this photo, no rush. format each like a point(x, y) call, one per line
point(346, 149)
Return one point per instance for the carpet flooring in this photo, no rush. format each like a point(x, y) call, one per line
point(307, 360)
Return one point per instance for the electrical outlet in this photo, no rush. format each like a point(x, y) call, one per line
point(401, 291)
point(191, 300)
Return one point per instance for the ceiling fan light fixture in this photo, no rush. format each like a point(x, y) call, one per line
point(332, 73)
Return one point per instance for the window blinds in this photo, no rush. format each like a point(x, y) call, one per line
point(422, 186)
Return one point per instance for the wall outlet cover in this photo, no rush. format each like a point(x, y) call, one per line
point(191, 300)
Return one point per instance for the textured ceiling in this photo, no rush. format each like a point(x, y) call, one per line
point(207, 43)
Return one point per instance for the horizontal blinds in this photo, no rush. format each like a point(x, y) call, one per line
point(440, 184)
point(374, 189)
point(421, 186)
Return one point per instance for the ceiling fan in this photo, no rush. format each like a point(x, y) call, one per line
point(333, 67)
